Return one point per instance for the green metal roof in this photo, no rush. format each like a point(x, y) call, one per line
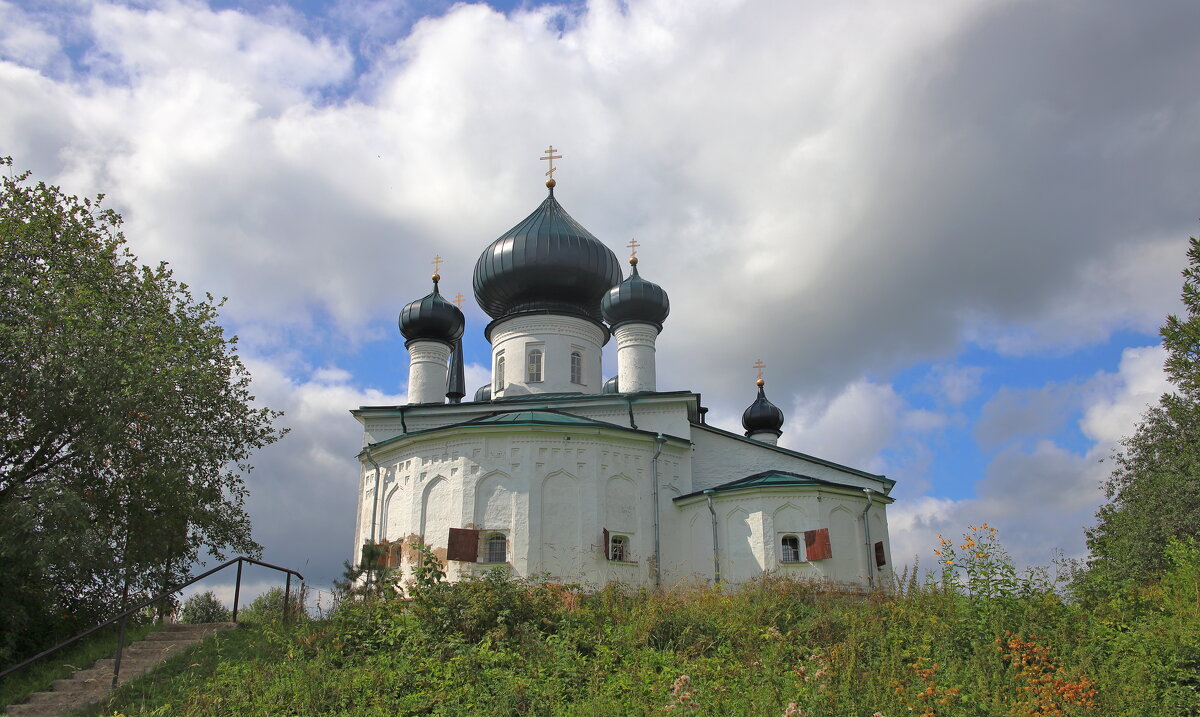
point(536, 418)
point(774, 479)
point(529, 418)
point(798, 454)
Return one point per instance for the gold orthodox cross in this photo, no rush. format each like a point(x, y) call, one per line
point(758, 364)
point(550, 157)
point(437, 264)
point(458, 299)
point(633, 245)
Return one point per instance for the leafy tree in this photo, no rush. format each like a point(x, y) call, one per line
point(1154, 490)
point(268, 607)
point(202, 608)
point(127, 421)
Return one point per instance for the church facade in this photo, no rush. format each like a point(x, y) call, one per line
point(553, 471)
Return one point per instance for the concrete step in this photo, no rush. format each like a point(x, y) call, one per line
point(92, 685)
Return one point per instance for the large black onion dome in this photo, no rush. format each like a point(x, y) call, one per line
point(432, 318)
point(548, 262)
point(762, 416)
point(635, 299)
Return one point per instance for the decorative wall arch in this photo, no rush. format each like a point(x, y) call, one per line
point(495, 501)
point(738, 563)
point(620, 504)
point(437, 512)
point(561, 526)
point(845, 544)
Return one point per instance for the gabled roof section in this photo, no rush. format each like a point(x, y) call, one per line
point(798, 454)
point(547, 418)
point(777, 479)
point(535, 418)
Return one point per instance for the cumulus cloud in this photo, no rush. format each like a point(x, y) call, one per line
point(1040, 495)
point(841, 189)
point(303, 489)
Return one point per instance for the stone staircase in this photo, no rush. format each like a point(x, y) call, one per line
point(94, 684)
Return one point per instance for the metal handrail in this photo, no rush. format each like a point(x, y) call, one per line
point(150, 601)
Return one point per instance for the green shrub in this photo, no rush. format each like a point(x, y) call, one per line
point(202, 608)
point(268, 607)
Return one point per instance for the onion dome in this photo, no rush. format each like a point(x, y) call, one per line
point(762, 416)
point(432, 318)
point(635, 299)
point(547, 263)
point(483, 393)
point(611, 386)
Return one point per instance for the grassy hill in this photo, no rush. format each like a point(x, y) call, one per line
point(976, 640)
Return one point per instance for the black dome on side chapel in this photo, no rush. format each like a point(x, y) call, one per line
point(432, 318)
point(635, 299)
point(762, 416)
point(548, 262)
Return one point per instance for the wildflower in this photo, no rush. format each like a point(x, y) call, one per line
point(949, 562)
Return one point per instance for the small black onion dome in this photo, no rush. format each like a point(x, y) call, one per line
point(548, 262)
point(635, 299)
point(432, 318)
point(611, 386)
point(762, 416)
point(483, 393)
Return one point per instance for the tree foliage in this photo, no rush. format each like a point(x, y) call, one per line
point(127, 422)
point(203, 608)
point(1154, 491)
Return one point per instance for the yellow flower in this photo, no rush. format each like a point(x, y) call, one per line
point(949, 562)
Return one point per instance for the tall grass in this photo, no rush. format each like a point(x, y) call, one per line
point(976, 639)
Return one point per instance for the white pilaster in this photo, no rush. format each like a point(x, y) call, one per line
point(635, 357)
point(427, 368)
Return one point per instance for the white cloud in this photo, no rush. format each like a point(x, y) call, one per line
point(302, 489)
point(959, 172)
point(1042, 496)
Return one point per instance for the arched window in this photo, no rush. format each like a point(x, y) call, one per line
point(618, 548)
point(500, 374)
point(535, 365)
point(496, 552)
point(791, 549)
point(576, 367)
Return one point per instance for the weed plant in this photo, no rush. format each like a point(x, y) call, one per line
point(975, 638)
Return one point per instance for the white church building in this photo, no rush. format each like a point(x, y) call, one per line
point(553, 471)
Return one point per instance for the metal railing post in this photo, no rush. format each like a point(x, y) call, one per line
point(287, 597)
point(128, 611)
point(237, 590)
point(120, 647)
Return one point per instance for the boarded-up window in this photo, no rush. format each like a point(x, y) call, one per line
point(816, 544)
point(880, 558)
point(463, 545)
point(373, 556)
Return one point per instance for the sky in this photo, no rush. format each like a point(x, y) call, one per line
point(951, 230)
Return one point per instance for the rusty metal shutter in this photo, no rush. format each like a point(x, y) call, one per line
point(880, 559)
point(604, 544)
point(463, 545)
point(816, 544)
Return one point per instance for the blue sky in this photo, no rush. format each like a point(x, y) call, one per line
point(950, 229)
